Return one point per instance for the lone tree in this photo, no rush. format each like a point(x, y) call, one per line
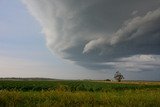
point(118, 76)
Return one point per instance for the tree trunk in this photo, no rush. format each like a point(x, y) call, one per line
point(119, 80)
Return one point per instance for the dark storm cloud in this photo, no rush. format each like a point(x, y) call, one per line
point(141, 35)
point(94, 33)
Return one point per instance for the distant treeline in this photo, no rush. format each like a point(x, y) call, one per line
point(27, 79)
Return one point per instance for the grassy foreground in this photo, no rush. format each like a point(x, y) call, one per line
point(78, 94)
point(136, 98)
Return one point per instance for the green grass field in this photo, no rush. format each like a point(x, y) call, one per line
point(79, 94)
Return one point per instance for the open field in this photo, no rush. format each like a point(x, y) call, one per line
point(91, 86)
point(134, 82)
point(79, 94)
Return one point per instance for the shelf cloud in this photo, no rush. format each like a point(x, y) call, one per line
point(102, 34)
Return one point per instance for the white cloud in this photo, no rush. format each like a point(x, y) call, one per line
point(138, 63)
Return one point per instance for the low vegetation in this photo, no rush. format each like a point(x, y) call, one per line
point(91, 86)
point(78, 94)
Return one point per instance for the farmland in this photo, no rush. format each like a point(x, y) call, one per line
point(79, 93)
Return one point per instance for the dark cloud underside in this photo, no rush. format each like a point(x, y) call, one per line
point(94, 33)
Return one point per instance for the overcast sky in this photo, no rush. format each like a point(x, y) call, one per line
point(80, 39)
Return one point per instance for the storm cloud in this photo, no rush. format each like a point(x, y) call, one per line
point(102, 34)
